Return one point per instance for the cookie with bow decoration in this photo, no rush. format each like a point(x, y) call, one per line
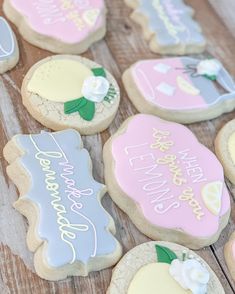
point(163, 267)
point(9, 50)
point(60, 26)
point(181, 89)
point(70, 91)
point(157, 172)
point(70, 233)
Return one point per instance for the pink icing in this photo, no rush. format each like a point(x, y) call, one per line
point(144, 180)
point(147, 79)
point(61, 19)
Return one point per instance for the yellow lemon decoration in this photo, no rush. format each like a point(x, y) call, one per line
point(59, 80)
point(211, 195)
point(90, 16)
point(154, 278)
point(186, 87)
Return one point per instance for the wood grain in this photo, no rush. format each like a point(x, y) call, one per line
point(122, 46)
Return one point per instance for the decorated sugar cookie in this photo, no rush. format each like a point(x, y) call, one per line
point(60, 26)
point(229, 253)
point(164, 268)
point(70, 91)
point(168, 26)
point(158, 173)
point(9, 51)
point(225, 149)
point(69, 230)
point(181, 89)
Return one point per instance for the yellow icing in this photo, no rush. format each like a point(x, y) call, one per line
point(59, 80)
point(154, 278)
point(186, 87)
point(231, 147)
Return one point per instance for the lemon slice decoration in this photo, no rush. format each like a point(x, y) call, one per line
point(211, 195)
point(186, 87)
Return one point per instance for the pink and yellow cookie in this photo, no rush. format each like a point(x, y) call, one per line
point(67, 91)
point(158, 173)
point(181, 89)
point(60, 26)
point(225, 149)
point(164, 268)
point(229, 254)
point(70, 233)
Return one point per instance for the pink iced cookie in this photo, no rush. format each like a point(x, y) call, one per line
point(170, 185)
point(229, 253)
point(180, 89)
point(60, 26)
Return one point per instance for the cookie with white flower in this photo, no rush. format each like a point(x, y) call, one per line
point(65, 91)
point(181, 89)
point(163, 267)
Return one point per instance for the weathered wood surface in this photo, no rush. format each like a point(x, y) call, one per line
point(122, 46)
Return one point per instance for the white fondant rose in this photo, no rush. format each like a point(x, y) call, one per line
point(191, 275)
point(95, 88)
point(210, 67)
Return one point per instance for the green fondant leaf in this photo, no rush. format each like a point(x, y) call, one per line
point(87, 112)
point(99, 72)
point(212, 78)
point(74, 105)
point(164, 254)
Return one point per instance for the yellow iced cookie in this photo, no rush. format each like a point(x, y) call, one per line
point(156, 277)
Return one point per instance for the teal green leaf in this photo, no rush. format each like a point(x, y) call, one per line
point(165, 255)
point(99, 72)
point(74, 105)
point(87, 112)
point(212, 78)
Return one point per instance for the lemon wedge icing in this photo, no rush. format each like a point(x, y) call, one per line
point(211, 195)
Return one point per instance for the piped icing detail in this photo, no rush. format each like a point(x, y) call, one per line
point(72, 221)
point(182, 83)
point(66, 20)
point(164, 169)
point(171, 23)
point(7, 41)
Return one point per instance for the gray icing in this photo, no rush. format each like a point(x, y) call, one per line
point(178, 15)
point(208, 89)
point(79, 194)
point(7, 41)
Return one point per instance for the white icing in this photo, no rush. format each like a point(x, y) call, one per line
point(190, 274)
point(166, 89)
point(162, 68)
point(95, 88)
point(210, 67)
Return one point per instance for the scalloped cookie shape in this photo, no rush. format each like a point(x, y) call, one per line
point(170, 185)
point(168, 26)
point(69, 230)
point(59, 26)
point(9, 50)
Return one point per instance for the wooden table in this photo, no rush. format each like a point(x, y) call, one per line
point(122, 46)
